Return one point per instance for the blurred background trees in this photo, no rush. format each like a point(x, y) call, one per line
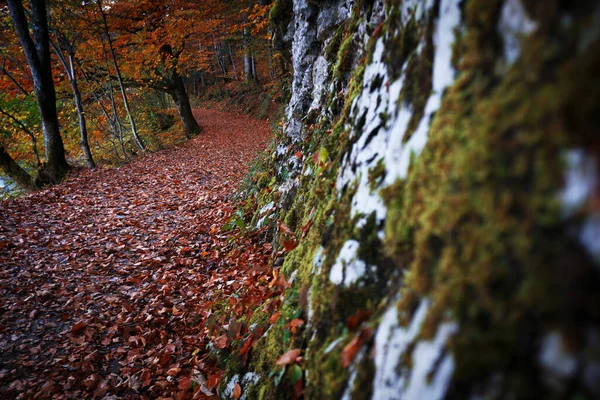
point(127, 75)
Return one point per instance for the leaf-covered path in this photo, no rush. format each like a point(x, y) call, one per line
point(107, 281)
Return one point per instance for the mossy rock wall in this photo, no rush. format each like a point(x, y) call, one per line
point(438, 169)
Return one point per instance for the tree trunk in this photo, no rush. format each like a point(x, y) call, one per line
point(247, 59)
point(137, 138)
point(12, 169)
point(182, 101)
point(232, 60)
point(70, 70)
point(85, 146)
point(37, 52)
point(254, 74)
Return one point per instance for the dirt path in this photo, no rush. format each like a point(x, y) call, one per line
point(107, 280)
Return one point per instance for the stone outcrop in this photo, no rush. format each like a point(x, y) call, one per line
point(438, 166)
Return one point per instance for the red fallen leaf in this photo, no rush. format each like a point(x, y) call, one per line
point(285, 229)
point(289, 245)
point(220, 342)
point(185, 383)
point(295, 323)
point(354, 346)
point(78, 326)
point(249, 342)
point(146, 377)
point(214, 379)
point(281, 283)
point(357, 318)
point(170, 348)
point(315, 158)
point(91, 382)
point(174, 371)
point(237, 391)
point(306, 227)
point(288, 357)
point(274, 317)
point(298, 390)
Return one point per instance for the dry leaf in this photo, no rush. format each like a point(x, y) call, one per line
point(288, 357)
point(237, 391)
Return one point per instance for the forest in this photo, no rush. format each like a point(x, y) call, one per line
point(300, 199)
point(117, 76)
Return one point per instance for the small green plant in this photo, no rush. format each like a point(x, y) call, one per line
point(236, 221)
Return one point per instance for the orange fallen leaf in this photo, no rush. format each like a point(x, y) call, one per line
point(274, 318)
point(289, 245)
point(357, 318)
point(288, 357)
point(237, 391)
point(354, 346)
point(79, 326)
point(285, 229)
point(295, 323)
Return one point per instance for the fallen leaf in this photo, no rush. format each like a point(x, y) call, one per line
point(352, 348)
point(295, 323)
point(237, 391)
point(289, 245)
point(220, 342)
point(288, 357)
point(78, 327)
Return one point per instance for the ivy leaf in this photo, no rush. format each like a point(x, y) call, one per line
point(294, 374)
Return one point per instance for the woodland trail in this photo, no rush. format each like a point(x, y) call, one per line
point(107, 281)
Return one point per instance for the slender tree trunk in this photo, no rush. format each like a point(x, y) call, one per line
point(254, 74)
point(247, 59)
point(12, 169)
point(37, 52)
point(113, 104)
point(232, 61)
point(70, 71)
point(85, 146)
point(137, 138)
point(114, 122)
point(182, 101)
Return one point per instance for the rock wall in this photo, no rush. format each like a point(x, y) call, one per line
point(436, 186)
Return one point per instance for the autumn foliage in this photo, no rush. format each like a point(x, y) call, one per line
point(167, 54)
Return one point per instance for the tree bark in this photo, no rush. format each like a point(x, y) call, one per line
point(12, 169)
point(84, 143)
point(232, 60)
point(70, 71)
point(137, 138)
point(247, 59)
point(37, 52)
point(184, 108)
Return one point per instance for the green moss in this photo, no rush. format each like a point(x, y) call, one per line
point(333, 46)
point(418, 79)
point(281, 13)
point(400, 46)
point(476, 225)
point(344, 58)
point(377, 175)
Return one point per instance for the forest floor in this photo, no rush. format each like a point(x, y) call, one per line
point(122, 283)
